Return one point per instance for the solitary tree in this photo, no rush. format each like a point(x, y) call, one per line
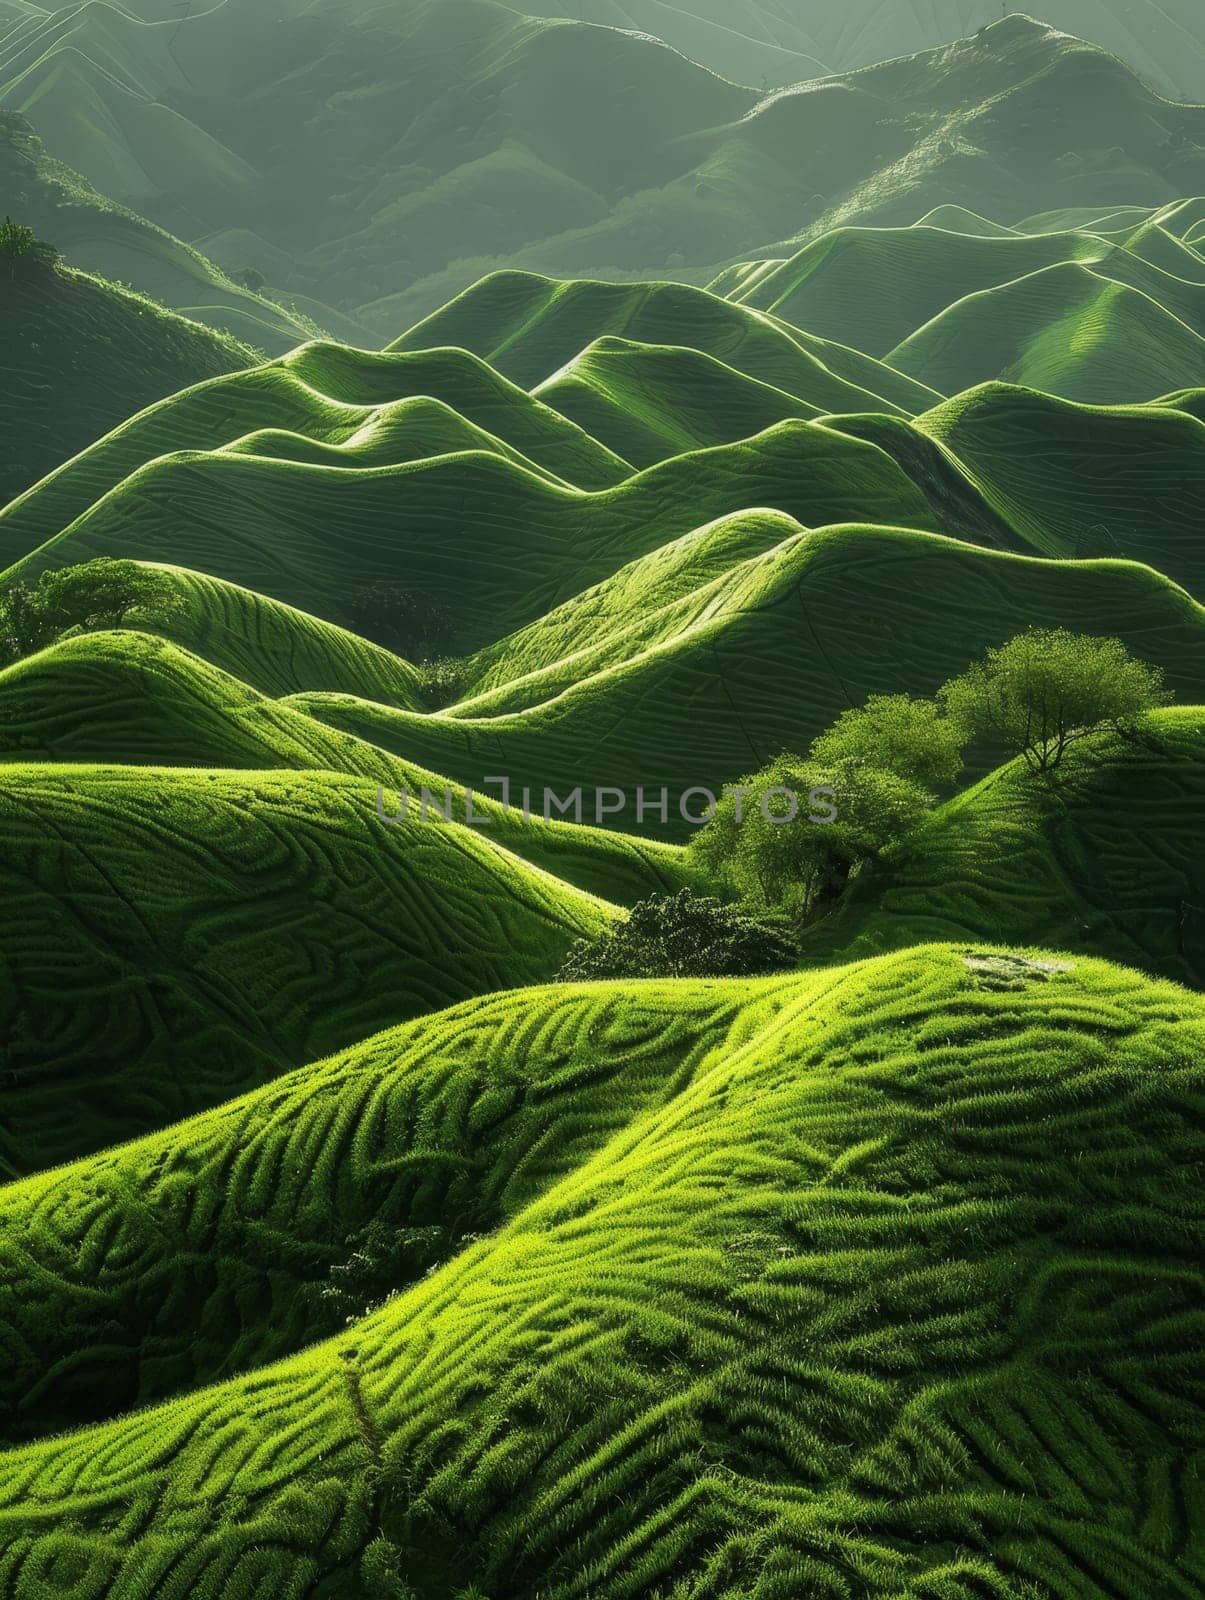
point(95, 594)
point(913, 738)
point(1047, 688)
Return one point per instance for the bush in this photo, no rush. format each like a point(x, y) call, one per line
point(681, 935)
point(1048, 688)
point(21, 247)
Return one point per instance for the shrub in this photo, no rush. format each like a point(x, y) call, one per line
point(21, 247)
point(1047, 688)
point(681, 935)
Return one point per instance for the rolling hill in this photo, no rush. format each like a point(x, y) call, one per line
point(702, 686)
point(1102, 316)
point(351, 1248)
point(99, 236)
point(271, 140)
point(1012, 1160)
point(175, 937)
point(80, 355)
point(1104, 860)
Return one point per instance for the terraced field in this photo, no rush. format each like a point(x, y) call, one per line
point(351, 1247)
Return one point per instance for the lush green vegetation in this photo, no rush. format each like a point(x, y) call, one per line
point(460, 1140)
point(1007, 1146)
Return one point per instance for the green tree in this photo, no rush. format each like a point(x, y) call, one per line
point(790, 837)
point(912, 738)
point(95, 594)
point(1047, 688)
point(681, 935)
point(23, 626)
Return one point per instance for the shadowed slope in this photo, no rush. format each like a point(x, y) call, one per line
point(530, 327)
point(649, 402)
point(1068, 330)
point(493, 544)
point(129, 698)
point(710, 683)
point(79, 355)
point(1077, 480)
point(434, 1131)
point(274, 648)
point(102, 237)
point(913, 1268)
point(174, 937)
point(320, 395)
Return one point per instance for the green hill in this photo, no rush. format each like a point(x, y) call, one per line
point(442, 1128)
point(79, 356)
point(356, 402)
point(707, 683)
point(558, 145)
point(531, 327)
point(102, 237)
point(126, 698)
point(923, 1242)
point(1078, 480)
point(1162, 41)
point(494, 545)
point(1097, 316)
point(193, 933)
point(1105, 859)
point(1066, 330)
point(650, 402)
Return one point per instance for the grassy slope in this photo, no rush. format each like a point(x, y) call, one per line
point(451, 1123)
point(554, 145)
point(1105, 859)
point(353, 401)
point(1067, 330)
point(274, 648)
point(1076, 480)
point(129, 698)
point(708, 683)
point(174, 937)
point(496, 545)
point(921, 1244)
point(530, 327)
point(650, 402)
point(102, 237)
point(80, 355)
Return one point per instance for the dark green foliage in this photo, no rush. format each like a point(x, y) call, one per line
point(379, 1260)
point(104, 593)
point(1048, 688)
point(682, 935)
point(22, 250)
point(410, 622)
